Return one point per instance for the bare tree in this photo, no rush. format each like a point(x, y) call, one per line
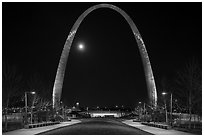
point(164, 85)
point(37, 83)
point(11, 84)
point(189, 83)
point(42, 98)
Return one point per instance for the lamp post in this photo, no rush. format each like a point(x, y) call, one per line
point(171, 120)
point(171, 102)
point(26, 107)
point(87, 109)
point(140, 110)
point(77, 106)
point(145, 113)
point(62, 110)
point(144, 110)
point(164, 93)
point(77, 103)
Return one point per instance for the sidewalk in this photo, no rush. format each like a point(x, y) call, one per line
point(154, 130)
point(38, 130)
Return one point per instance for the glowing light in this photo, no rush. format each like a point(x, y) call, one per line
point(164, 93)
point(32, 92)
point(81, 46)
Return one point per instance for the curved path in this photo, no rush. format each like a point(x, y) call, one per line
point(97, 126)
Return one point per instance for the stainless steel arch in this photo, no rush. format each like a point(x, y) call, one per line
point(57, 89)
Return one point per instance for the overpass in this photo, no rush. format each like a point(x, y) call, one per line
point(105, 113)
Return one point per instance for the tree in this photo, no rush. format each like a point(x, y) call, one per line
point(189, 83)
point(163, 86)
point(43, 90)
point(37, 83)
point(11, 84)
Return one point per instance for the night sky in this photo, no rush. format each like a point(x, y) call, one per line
point(109, 70)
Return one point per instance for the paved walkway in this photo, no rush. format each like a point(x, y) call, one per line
point(34, 131)
point(154, 130)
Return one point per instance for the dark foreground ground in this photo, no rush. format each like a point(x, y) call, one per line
point(97, 126)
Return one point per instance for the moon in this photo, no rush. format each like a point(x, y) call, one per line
point(80, 46)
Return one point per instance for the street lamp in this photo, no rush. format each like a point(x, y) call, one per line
point(145, 113)
point(62, 110)
point(87, 109)
point(31, 119)
point(144, 110)
point(77, 104)
point(164, 93)
point(32, 92)
point(26, 106)
point(140, 110)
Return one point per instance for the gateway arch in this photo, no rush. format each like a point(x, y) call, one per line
point(151, 87)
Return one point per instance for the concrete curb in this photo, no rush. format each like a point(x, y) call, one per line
point(40, 124)
point(155, 130)
point(156, 125)
point(38, 130)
